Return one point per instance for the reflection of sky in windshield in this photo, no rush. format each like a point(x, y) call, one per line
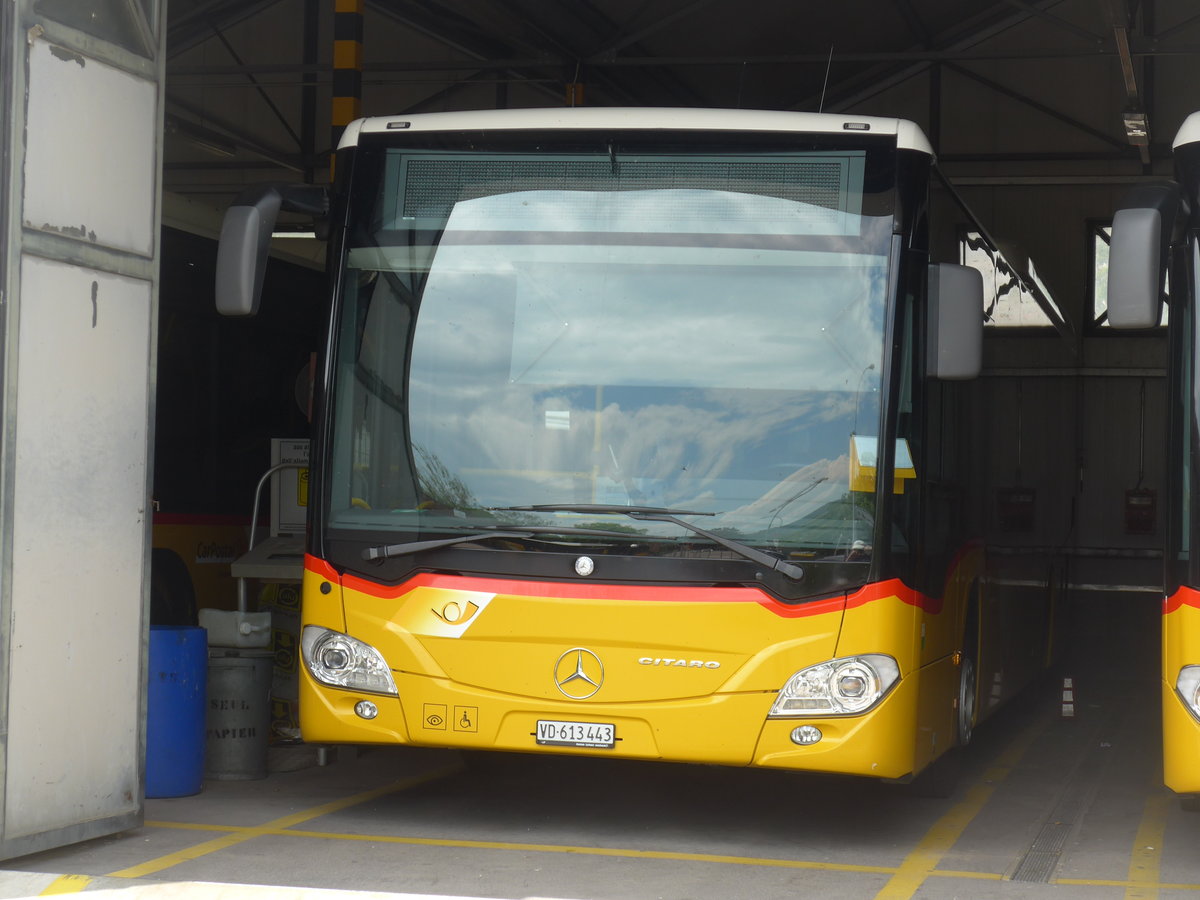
point(679, 211)
point(707, 323)
point(700, 377)
point(633, 349)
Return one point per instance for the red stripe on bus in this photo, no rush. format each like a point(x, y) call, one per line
point(320, 568)
point(631, 593)
point(1185, 596)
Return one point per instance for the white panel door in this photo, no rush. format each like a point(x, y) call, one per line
point(78, 547)
point(79, 225)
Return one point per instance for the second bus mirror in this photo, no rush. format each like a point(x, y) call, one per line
point(1137, 255)
point(246, 239)
point(955, 322)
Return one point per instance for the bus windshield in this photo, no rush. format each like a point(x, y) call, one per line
point(624, 326)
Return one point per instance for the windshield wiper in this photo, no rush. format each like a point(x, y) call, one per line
point(659, 514)
point(751, 553)
point(507, 531)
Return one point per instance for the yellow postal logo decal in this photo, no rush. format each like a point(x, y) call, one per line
point(457, 612)
point(452, 617)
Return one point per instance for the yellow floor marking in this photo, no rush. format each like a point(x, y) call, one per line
point(67, 884)
point(256, 831)
point(244, 834)
point(1109, 882)
point(677, 856)
point(945, 832)
point(1147, 848)
point(906, 878)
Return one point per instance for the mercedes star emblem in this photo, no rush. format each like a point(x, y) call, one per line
point(578, 673)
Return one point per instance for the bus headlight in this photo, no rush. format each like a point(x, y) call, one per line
point(1188, 686)
point(341, 661)
point(840, 687)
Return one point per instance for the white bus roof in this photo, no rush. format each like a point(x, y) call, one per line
point(908, 135)
point(1189, 131)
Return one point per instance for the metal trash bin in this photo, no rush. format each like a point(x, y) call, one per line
point(175, 710)
point(239, 713)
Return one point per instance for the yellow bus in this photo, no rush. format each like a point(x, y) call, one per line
point(1157, 232)
point(644, 433)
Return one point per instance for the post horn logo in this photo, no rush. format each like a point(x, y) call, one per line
point(578, 673)
point(455, 613)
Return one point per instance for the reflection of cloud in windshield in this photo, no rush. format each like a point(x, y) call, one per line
point(699, 310)
point(669, 211)
point(701, 325)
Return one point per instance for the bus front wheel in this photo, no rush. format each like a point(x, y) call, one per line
point(966, 701)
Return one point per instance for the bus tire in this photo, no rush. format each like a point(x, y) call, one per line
point(172, 597)
point(967, 690)
point(967, 710)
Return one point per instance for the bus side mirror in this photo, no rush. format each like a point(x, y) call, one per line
point(955, 322)
point(1137, 255)
point(246, 238)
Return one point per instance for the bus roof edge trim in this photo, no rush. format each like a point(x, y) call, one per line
point(909, 135)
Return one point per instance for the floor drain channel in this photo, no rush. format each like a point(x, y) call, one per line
point(1041, 859)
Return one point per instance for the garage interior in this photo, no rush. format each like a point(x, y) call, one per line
point(1043, 114)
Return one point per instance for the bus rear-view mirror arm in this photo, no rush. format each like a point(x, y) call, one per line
point(246, 239)
point(1142, 231)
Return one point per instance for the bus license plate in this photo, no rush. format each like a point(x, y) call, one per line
point(576, 734)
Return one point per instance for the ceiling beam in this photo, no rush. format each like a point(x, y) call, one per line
point(1046, 16)
point(195, 27)
point(917, 55)
point(1134, 119)
point(441, 24)
point(438, 100)
point(258, 87)
point(571, 57)
point(1137, 50)
point(239, 139)
point(953, 43)
point(919, 32)
point(636, 37)
point(458, 34)
point(1177, 27)
point(668, 80)
point(1036, 105)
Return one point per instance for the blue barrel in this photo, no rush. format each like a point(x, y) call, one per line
point(175, 710)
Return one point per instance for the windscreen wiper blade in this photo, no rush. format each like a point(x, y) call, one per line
point(508, 531)
point(751, 553)
point(661, 514)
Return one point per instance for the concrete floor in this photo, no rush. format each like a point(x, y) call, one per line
point(1045, 807)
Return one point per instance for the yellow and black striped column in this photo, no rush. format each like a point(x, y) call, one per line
point(347, 69)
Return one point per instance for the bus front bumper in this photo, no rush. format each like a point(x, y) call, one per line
point(723, 729)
